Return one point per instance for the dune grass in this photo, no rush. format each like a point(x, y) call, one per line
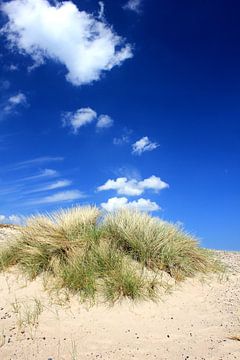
point(115, 256)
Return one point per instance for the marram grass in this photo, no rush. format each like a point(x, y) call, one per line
point(112, 257)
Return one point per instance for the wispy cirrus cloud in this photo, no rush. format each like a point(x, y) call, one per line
point(45, 173)
point(86, 45)
point(38, 161)
point(133, 187)
point(64, 196)
point(116, 203)
point(142, 145)
point(52, 186)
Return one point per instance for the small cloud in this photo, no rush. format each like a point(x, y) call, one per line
point(143, 145)
point(128, 171)
point(48, 173)
point(115, 203)
point(2, 218)
point(20, 98)
point(120, 141)
point(87, 46)
point(13, 67)
point(45, 173)
point(4, 85)
point(53, 186)
point(133, 187)
point(104, 121)
point(37, 161)
point(15, 101)
point(84, 116)
point(57, 185)
point(16, 219)
point(79, 118)
point(63, 196)
point(124, 139)
point(101, 10)
point(133, 5)
point(12, 219)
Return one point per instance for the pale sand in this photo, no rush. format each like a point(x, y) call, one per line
point(193, 322)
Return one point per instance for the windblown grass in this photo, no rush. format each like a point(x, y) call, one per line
point(158, 245)
point(112, 257)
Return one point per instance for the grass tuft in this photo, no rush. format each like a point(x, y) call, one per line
point(113, 257)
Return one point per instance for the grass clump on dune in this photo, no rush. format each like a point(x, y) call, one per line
point(158, 245)
point(112, 257)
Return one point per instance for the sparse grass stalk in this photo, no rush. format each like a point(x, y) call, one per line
point(2, 338)
point(27, 313)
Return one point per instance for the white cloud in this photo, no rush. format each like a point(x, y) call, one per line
point(60, 197)
point(45, 173)
point(101, 10)
point(15, 101)
point(86, 45)
point(20, 98)
point(2, 218)
point(57, 185)
point(53, 186)
point(142, 145)
point(133, 5)
point(36, 161)
point(85, 116)
point(104, 121)
point(13, 67)
point(79, 118)
point(141, 204)
point(124, 139)
point(12, 219)
point(133, 187)
point(16, 219)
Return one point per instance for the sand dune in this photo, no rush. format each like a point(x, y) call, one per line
point(193, 322)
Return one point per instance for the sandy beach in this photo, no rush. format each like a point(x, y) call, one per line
point(194, 321)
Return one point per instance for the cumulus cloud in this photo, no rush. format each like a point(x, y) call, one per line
point(79, 118)
point(15, 101)
point(84, 116)
point(133, 5)
point(115, 203)
point(86, 45)
point(143, 145)
point(133, 187)
point(104, 121)
point(59, 197)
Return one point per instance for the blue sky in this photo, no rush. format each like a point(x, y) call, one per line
point(122, 103)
